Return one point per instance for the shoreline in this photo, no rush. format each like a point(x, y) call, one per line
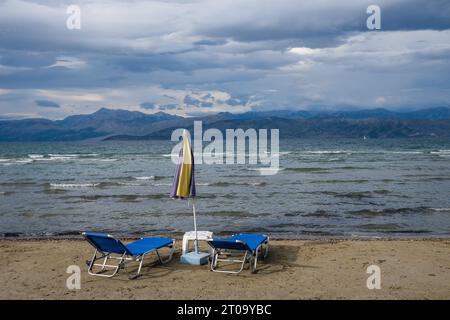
point(179, 237)
point(294, 269)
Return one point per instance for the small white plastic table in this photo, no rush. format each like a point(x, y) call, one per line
point(190, 236)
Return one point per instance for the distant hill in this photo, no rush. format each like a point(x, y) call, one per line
point(321, 128)
point(372, 123)
point(107, 124)
point(101, 123)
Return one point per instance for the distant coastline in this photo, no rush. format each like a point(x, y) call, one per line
point(107, 124)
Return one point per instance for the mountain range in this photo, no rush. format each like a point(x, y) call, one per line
point(108, 124)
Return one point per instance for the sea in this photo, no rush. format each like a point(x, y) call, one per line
point(325, 188)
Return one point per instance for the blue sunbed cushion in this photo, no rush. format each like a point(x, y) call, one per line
point(145, 245)
point(105, 243)
point(251, 240)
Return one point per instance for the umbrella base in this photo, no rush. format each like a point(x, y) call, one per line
point(193, 258)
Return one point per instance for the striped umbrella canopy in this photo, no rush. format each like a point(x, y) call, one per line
point(183, 182)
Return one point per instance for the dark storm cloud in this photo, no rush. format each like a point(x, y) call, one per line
point(16, 58)
point(170, 106)
point(233, 102)
point(321, 23)
point(47, 104)
point(148, 105)
point(242, 48)
point(210, 42)
point(189, 100)
point(417, 15)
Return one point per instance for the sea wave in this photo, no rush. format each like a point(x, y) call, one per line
point(24, 161)
point(246, 154)
point(226, 213)
point(226, 184)
point(381, 226)
point(359, 152)
point(307, 169)
point(327, 151)
point(394, 211)
point(320, 214)
point(266, 170)
point(440, 209)
point(62, 156)
point(145, 178)
point(73, 155)
point(36, 156)
point(129, 184)
point(73, 185)
point(337, 181)
point(282, 153)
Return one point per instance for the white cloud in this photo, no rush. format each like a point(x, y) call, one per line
point(68, 62)
point(380, 101)
point(304, 51)
point(71, 96)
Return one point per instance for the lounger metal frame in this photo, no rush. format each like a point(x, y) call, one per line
point(122, 260)
point(249, 256)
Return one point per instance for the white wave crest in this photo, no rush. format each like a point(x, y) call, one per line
point(145, 178)
point(36, 156)
point(72, 185)
point(440, 209)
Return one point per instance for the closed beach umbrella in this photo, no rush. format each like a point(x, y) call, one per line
point(183, 182)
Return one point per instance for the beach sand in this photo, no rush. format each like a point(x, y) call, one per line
point(294, 269)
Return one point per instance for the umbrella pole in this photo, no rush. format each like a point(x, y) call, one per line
point(195, 228)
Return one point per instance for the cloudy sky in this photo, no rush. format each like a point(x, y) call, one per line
point(206, 56)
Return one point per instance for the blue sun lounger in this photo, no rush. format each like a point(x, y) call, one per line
point(252, 245)
point(107, 248)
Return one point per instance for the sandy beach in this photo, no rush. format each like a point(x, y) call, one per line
point(294, 269)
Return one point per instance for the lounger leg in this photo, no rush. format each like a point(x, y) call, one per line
point(140, 264)
point(243, 261)
point(114, 268)
point(265, 249)
point(215, 259)
point(91, 262)
point(104, 262)
point(215, 255)
point(164, 261)
point(254, 262)
point(159, 256)
point(138, 273)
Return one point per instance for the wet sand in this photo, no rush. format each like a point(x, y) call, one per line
point(294, 269)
